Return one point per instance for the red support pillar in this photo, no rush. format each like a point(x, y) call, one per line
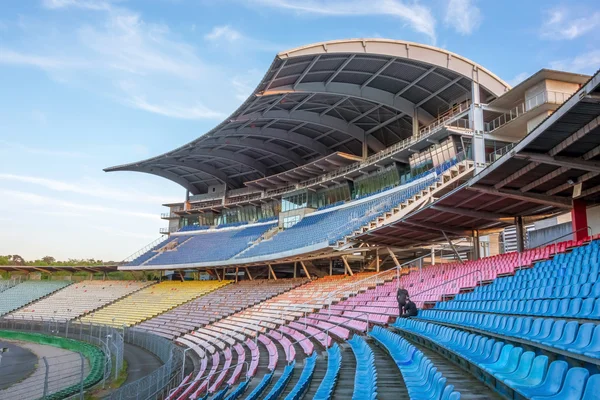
point(579, 219)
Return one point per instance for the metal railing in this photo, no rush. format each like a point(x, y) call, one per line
point(208, 376)
point(327, 330)
point(448, 118)
point(443, 284)
point(108, 339)
point(500, 152)
point(145, 249)
point(545, 97)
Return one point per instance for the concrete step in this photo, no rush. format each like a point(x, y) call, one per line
point(390, 384)
point(345, 385)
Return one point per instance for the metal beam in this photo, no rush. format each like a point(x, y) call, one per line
point(580, 133)
point(279, 134)
point(436, 227)
point(271, 148)
point(325, 121)
point(234, 157)
point(276, 74)
point(414, 82)
point(379, 71)
point(305, 270)
point(207, 169)
point(248, 273)
point(516, 175)
point(440, 90)
point(453, 248)
point(368, 93)
point(347, 268)
point(393, 256)
point(530, 197)
point(473, 213)
point(589, 155)
point(560, 161)
point(340, 69)
point(271, 272)
point(306, 70)
point(158, 171)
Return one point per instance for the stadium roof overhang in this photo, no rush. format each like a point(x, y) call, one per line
point(556, 162)
point(348, 96)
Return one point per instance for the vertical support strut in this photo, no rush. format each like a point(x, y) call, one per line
point(271, 272)
point(453, 248)
point(476, 116)
point(520, 231)
point(347, 269)
point(248, 272)
point(305, 270)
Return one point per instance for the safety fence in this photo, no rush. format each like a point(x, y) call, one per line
point(110, 342)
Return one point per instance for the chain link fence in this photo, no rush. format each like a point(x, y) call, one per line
point(111, 341)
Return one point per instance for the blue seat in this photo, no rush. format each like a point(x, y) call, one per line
point(522, 370)
point(572, 388)
point(507, 362)
point(556, 332)
point(583, 339)
point(535, 375)
point(587, 306)
point(568, 335)
point(574, 307)
point(544, 332)
point(592, 388)
point(593, 348)
point(551, 383)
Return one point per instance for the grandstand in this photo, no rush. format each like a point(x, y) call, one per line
point(355, 168)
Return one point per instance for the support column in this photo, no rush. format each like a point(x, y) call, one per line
point(476, 245)
point(305, 270)
point(271, 272)
point(377, 258)
point(432, 255)
point(237, 270)
point(365, 148)
point(330, 267)
point(520, 230)
point(248, 272)
point(347, 269)
point(396, 263)
point(579, 219)
point(476, 116)
point(415, 122)
point(295, 269)
point(453, 248)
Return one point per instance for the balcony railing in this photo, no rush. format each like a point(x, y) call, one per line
point(168, 230)
point(169, 215)
point(546, 97)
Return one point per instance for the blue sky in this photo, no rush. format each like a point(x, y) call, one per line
point(86, 84)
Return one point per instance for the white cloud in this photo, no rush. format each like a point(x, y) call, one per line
point(224, 32)
point(561, 24)
point(121, 233)
point(417, 16)
point(164, 74)
point(244, 84)
point(11, 57)
point(87, 187)
point(197, 111)
point(518, 78)
point(16, 147)
point(463, 15)
point(58, 205)
point(586, 63)
point(87, 4)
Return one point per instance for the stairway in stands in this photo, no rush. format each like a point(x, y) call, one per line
point(390, 385)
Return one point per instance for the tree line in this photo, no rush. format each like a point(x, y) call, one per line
point(15, 259)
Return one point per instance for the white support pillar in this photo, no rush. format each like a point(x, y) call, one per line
point(347, 269)
point(271, 272)
point(432, 255)
point(330, 267)
point(393, 256)
point(377, 259)
point(305, 270)
point(476, 116)
point(237, 271)
point(415, 122)
point(295, 269)
point(217, 274)
point(248, 272)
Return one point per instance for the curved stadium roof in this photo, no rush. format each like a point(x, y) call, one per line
point(323, 98)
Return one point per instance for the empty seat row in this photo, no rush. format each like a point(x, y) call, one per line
point(334, 364)
point(421, 377)
point(570, 336)
point(564, 308)
point(365, 379)
point(304, 380)
point(509, 368)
